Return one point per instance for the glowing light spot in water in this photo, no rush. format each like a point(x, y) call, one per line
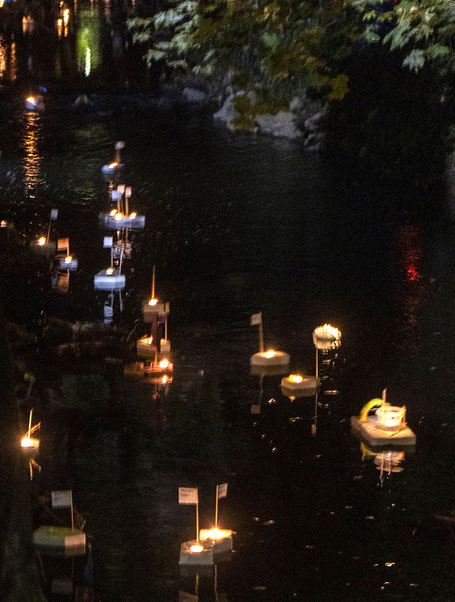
point(88, 61)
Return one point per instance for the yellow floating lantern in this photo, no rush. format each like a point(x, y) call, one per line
point(381, 424)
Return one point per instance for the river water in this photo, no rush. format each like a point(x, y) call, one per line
point(238, 224)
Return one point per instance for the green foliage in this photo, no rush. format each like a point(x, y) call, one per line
point(284, 46)
point(423, 29)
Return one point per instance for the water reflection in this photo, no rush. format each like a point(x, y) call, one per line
point(32, 160)
point(88, 42)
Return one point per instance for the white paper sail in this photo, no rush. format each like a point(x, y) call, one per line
point(221, 490)
point(62, 499)
point(256, 319)
point(54, 214)
point(188, 495)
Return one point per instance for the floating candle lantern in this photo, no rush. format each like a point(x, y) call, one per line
point(112, 168)
point(117, 220)
point(68, 263)
point(42, 246)
point(195, 553)
point(296, 385)
point(382, 424)
point(221, 539)
point(34, 103)
point(269, 362)
point(109, 280)
point(27, 442)
point(145, 348)
point(326, 337)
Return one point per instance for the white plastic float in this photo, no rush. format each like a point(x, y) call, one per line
point(381, 424)
point(296, 385)
point(41, 246)
point(109, 280)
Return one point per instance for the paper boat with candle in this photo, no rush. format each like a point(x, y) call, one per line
point(297, 385)
point(269, 362)
point(109, 280)
point(161, 366)
point(116, 220)
point(41, 246)
point(380, 424)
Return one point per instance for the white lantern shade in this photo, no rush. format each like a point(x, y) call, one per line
point(109, 280)
point(326, 337)
point(390, 417)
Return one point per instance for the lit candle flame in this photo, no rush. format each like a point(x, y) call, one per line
point(196, 549)
point(41, 241)
point(109, 271)
point(153, 302)
point(133, 215)
point(269, 354)
point(113, 212)
point(68, 259)
point(31, 100)
point(3, 223)
point(295, 378)
point(118, 216)
point(164, 363)
point(112, 165)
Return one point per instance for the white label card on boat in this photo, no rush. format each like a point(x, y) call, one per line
point(62, 499)
point(121, 188)
point(222, 490)
point(63, 243)
point(119, 145)
point(256, 319)
point(108, 242)
point(116, 195)
point(54, 213)
point(188, 495)
point(128, 191)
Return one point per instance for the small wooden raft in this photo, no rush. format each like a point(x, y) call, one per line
point(376, 436)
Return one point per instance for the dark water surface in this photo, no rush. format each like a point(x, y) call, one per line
point(236, 225)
